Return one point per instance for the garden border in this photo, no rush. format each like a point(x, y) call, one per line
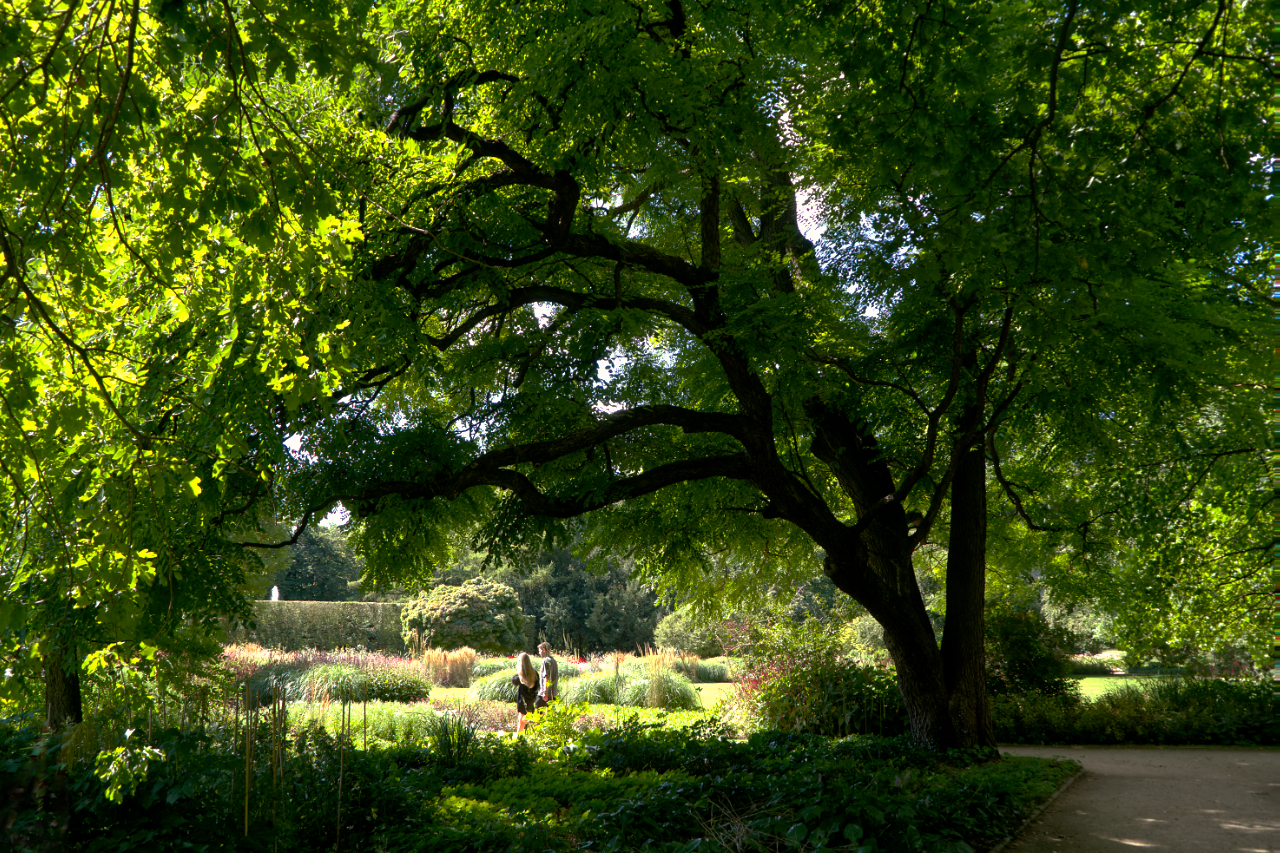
point(1039, 811)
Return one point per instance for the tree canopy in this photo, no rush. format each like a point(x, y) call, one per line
point(501, 268)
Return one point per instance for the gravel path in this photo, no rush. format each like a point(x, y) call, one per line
point(1178, 799)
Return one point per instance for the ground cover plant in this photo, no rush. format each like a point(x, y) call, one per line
point(266, 784)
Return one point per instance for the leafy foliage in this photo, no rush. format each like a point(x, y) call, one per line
point(796, 679)
point(498, 267)
point(1161, 711)
point(683, 632)
point(480, 613)
point(1026, 654)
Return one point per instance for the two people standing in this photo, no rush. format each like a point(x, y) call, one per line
point(535, 688)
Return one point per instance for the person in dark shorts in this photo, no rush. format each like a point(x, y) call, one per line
point(526, 682)
point(548, 677)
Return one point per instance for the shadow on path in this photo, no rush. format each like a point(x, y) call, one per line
point(1179, 799)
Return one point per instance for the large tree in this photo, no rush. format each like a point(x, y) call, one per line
point(582, 256)
point(142, 360)
point(540, 262)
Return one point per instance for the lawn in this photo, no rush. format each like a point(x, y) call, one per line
point(1092, 687)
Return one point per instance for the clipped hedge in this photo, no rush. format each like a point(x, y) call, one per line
point(324, 625)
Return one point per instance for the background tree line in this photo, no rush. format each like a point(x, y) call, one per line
point(576, 608)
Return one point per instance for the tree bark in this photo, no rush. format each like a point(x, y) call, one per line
point(963, 654)
point(943, 688)
point(62, 701)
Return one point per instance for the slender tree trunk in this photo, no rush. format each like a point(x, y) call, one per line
point(963, 656)
point(62, 685)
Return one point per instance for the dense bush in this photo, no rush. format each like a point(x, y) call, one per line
point(827, 696)
point(659, 689)
point(722, 666)
point(1087, 665)
point(496, 687)
point(598, 689)
point(338, 682)
point(1026, 654)
point(1158, 711)
point(489, 666)
point(681, 632)
point(796, 679)
point(603, 789)
point(480, 613)
point(701, 670)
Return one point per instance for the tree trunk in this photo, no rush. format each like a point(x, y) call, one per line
point(963, 655)
point(62, 685)
point(944, 689)
point(893, 599)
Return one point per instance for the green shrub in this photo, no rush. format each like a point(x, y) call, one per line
point(666, 689)
point(715, 666)
point(452, 738)
point(392, 685)
point(340, 682)
point(833, 697)
point(496, 687)
point(1165, 711)
point(796, 679)
point(599, 689)
point(489, 666)
point(1084, 668)
point(334, 682)
point(1024, 653)
point(480, 613)
point(707, 673)
point(681, 632)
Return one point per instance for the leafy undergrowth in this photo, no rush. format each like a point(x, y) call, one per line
point(674, 784)
point(1181, 711)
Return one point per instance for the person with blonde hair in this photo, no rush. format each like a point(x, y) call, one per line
point(526, 682)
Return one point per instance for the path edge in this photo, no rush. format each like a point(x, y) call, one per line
point(1039, 811)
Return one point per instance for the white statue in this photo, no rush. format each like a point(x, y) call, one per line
point(275, 593)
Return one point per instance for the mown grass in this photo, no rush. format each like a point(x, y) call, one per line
point(1092, 687)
